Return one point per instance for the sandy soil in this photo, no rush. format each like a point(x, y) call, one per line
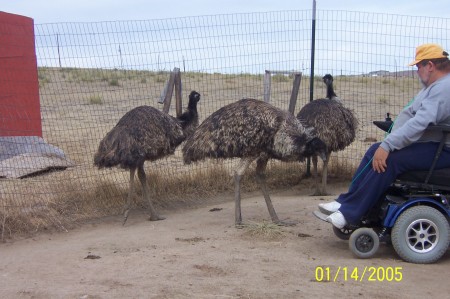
point(198, 253)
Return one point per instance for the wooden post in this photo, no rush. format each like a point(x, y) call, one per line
point(178, 95)
point(168, 97)
point(295, 86)
point(294, 94)
point(163, 93)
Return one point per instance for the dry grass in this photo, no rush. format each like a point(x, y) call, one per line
point(265, 230)
point(67, 201)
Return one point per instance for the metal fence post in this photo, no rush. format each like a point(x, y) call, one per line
point(311, 79)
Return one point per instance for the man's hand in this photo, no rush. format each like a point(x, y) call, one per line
point(379, 160)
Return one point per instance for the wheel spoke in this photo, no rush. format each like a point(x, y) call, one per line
point(413, 242)
point(420, 245)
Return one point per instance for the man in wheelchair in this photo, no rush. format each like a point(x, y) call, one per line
point(404, 165)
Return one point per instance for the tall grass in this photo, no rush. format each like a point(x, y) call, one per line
point(72, 202)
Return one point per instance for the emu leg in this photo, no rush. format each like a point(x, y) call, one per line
point(127, 206)
point(237, 199)
point(317, 191)
point(261, 164)
point(320, 186)
point(146, 190)
point(238, 173)
point(325, 175)
point(314, 161)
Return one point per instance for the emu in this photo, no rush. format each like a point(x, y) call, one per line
point(145, 134)
point(335, 125)
point(252, 130)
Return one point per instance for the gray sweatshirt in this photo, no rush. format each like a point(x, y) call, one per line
point(430, 106)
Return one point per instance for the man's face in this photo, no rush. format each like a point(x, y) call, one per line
point(423, 71)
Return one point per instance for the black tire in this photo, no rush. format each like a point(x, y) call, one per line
point(427, 245)
point(342, 233)
point(364, 242)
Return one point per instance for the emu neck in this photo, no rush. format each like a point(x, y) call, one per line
point(192, 106)
point(330, 91)
point(189, 119)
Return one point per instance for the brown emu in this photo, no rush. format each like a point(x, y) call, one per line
point(252, 130)
point(335, 125)
point(145, 134)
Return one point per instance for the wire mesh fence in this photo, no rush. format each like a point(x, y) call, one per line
point(91, 74)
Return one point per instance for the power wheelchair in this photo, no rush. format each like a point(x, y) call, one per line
point(413, 214)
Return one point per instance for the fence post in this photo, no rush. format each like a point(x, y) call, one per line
point(178, 90)
point(267, 83)
point(311, 79)
point(166, 96)
point(294, 93)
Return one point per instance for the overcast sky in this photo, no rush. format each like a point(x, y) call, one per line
point(51, 11)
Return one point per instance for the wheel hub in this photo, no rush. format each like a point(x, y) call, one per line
point(364, 243)
point(422, 235)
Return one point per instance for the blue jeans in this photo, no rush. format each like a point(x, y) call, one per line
point(368, 185)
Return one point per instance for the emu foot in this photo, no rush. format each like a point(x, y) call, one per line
point(286, 222)
point(320, 192)
point(125, 216)
point(239, 224)
point(156, 218)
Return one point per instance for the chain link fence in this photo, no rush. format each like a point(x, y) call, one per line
point(91, 74)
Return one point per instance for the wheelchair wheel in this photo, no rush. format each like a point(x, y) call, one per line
point(342, 233)
point(421, 235)
point(364, 242)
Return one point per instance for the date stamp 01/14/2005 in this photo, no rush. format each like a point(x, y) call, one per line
point(367, 273)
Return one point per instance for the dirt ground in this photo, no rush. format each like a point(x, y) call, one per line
point(199, 253)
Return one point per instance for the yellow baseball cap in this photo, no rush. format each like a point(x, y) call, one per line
point(428, 51)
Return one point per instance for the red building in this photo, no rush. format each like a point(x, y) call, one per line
point(19, 86)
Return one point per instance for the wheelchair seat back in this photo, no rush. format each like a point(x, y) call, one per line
point(432, 179)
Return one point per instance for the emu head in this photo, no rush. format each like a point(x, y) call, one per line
point(316, 147)
point(327, 79)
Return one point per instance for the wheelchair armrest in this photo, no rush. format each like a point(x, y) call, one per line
point(384, 125)
point(440, 128)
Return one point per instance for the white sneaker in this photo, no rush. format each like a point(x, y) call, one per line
point(337, 219)
point(329, 207)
